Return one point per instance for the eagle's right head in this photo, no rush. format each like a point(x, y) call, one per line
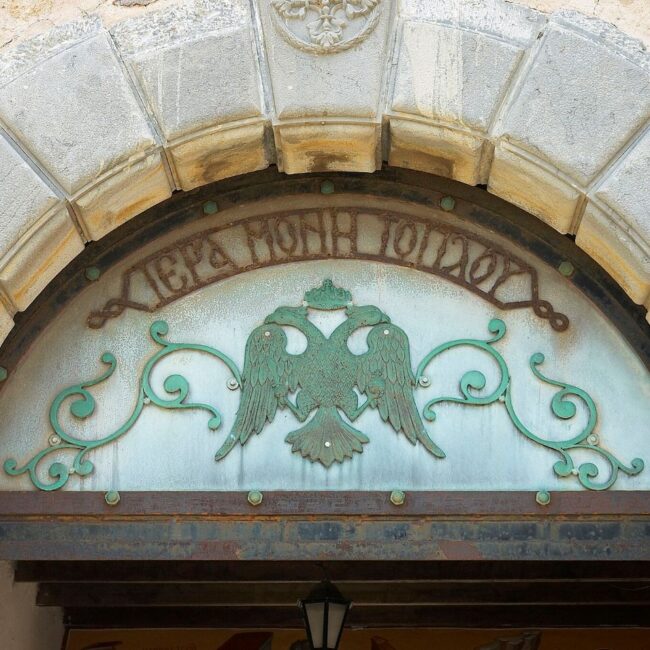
point(287, 316)
point(366, 315)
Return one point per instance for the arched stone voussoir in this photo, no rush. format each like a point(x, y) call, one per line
point(38, 237)
point(453, 67)
point(197, 68)
point(88, 140)
point(98, 124)
point(69, 106)
point(615, 227)
point(577, 104)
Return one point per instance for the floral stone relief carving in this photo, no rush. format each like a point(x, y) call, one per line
point(325, 26)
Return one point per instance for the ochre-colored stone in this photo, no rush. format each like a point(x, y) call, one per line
point(437, 150)
point(317, 147)
point(533, 187)
point(220, 154)
point(120, 197)
point(81, 116)
point(6, 322)
point(39, 255)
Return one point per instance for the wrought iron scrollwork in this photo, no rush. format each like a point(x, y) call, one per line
point(83, 407)
point(322, 383)
point(561, 407)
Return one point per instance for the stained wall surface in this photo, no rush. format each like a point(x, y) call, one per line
point(25, 626)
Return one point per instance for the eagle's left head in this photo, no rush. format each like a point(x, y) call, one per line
point(366, 315)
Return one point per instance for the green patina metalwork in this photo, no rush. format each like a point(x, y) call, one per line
point(397, 497)
point(62, 442)
point(323, 379)
point(327, 297)
point(255, 497)
point(586, 440)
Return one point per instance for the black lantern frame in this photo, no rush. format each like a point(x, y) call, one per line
point(325, 594)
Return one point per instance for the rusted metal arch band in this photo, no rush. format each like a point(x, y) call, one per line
point(472, 205)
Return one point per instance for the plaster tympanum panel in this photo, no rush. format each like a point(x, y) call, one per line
point(411, 276)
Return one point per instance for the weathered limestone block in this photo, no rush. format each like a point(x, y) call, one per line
point(573, 107)
point(451, 75)
point(25, 197)
point(627, 188)
point(438, 150)
point(528, 182)
point(196, 64)
point(619, 249)
point(15, 61)
point(328, 75)
point(510, 21)
point(316, 147)
point(45, 249)
point(456, 60)
point(615, 228)
point(125, 194)
point(222, 153)
point(76, 113)
point(6, 323)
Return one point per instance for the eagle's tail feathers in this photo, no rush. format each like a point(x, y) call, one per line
point(327, 438)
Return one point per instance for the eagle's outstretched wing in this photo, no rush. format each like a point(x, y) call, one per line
point(269, 374)
point(384, 374)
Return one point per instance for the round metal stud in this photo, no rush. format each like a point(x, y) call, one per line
point(566, 269)
point(54, 440)
point(447, 203)
point(92, 273)
point(397, 497)
point(210, 207)
point(267, 334)
point(255, 497)
point(543, 497)
point(146, 400)
point(424, 381)
point(328, 444)
point(575, 472)
point(112, 497)
point(593, 439)
point(327, 187)
point(386, 332)
point(232, 384)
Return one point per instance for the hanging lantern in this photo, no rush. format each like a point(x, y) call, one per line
point(324, 611)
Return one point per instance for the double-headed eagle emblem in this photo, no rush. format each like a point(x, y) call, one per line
point(320, 382)
point(327, 387)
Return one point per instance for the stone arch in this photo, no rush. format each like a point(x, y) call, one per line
point(97, 124)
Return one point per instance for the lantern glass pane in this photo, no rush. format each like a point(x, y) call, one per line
point(335, 618)
point(315, 613)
